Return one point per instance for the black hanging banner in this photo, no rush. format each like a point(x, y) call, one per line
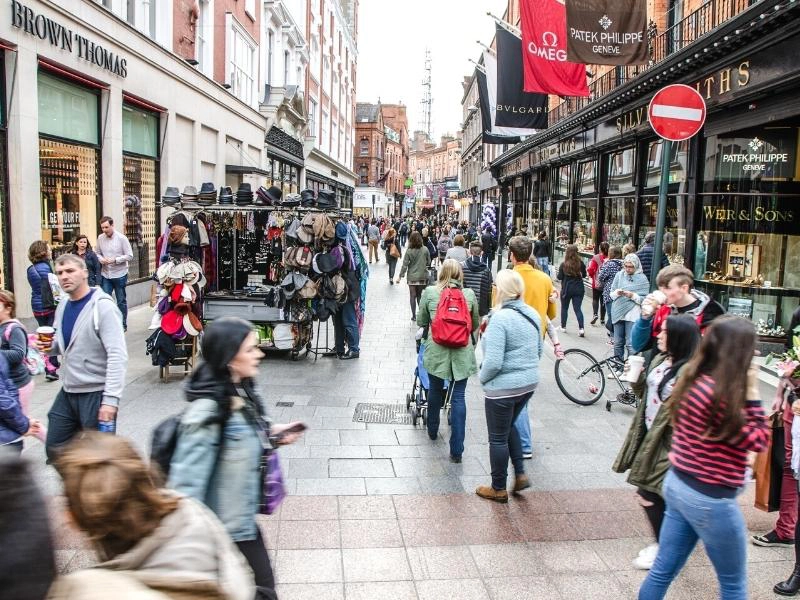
point(607, 32)
point(515, 107)
point(486, 114)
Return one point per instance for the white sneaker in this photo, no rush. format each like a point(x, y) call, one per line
point(561, 329)
point(646, 558)
point(580, 333)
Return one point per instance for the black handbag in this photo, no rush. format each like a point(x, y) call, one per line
point(48, 301)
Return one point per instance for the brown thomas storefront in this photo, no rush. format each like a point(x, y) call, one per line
point(733, 211)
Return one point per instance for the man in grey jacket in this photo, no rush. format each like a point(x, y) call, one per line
point(91, 343)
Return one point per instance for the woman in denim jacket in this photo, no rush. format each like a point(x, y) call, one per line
point(227, 477)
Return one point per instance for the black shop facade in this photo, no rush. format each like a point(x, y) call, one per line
point(733, 213)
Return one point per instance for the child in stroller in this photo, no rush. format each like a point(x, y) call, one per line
point(417, 400)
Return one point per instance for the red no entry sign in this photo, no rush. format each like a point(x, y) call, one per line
point(677, 112)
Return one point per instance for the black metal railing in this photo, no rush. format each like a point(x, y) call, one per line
point(662, 45)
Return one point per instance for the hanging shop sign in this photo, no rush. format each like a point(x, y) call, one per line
point(753, 158)
point(46, 28)
point(515, 107)
point(607, 32)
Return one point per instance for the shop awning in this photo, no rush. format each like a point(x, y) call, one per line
point(70, 74)
point(246, 170)
point(425, 204)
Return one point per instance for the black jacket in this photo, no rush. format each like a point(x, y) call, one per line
point(541, 249)
point(571, 285)
point(489, 245)
point(478, 278)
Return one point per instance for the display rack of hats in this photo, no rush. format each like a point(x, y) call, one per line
point(177, 318)
point(270, 259)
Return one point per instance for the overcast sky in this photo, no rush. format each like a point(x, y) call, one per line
point(391, 53)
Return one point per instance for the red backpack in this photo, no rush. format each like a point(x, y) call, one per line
point(452, 322)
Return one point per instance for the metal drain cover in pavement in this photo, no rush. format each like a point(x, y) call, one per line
point(284, 404)
point(389, 414)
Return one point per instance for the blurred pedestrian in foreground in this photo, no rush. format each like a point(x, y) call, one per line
point(717, 420)
point(223, 436)
point(149, 539)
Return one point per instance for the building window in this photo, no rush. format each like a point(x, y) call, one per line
point(312, 117)
point(363, 173)
point(204, 37)
point(325, 141)
point(270, 54)
point(140, 186)
point(286, 67)
point(241, 63)
point(364, 147)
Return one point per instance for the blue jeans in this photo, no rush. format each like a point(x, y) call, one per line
point(345, 328)
point(70, 414)
point(522, 425)
point(622, 338)
point(609, 324)
point(544, 262)
point(577, 301)
point(690, 516)
point(501, 416)
point(458, 411)
point(117, 285)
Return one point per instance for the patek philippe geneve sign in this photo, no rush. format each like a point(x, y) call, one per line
point(45, 28)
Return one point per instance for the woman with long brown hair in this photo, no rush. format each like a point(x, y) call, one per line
point(571, 274)
point(150, 537)
point(83, 248)
point(717, 420)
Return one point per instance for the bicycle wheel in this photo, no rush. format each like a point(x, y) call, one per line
point(580, 377)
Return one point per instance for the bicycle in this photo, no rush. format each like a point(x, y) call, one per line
point(582, 379)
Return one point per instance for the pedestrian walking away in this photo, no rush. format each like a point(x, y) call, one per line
point(454, 364)
point(393, 251)
point(478, 278)
point(489, 247)
point(415, 265)
point(598, 306)
point(458, 252)
point(541, 251)
point(717, 420)
point(647, 252)
point(14, 347)
point(571, 274)
point(147, 538)
point(90, 340)
point(403, 232)
point(114, 253)
point(605, 277)
point(373, 238)
point(646, 448)
point(224, 405)
point(512, 347)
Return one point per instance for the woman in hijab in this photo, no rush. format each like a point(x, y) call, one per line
point(223, 435)
point(628, 289)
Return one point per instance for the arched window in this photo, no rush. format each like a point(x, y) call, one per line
point(364, 147)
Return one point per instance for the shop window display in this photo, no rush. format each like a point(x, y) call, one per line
point(140, 184)
point(622, 172)
point(618, 220)
point(748, 247)
point(70, 192)
point(562, 231)
point(584, 227)
point(587, 180)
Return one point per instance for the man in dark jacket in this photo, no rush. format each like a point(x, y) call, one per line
point(645, 254)
point(489, 247)
point(478, 278)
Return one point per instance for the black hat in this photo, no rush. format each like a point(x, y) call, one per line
point(274, 193)
point(225, 195)
point(244, 195)
point(171, 197)
point(208, 189)
point(326, 199)
point(307, 197)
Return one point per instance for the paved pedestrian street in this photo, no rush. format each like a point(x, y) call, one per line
point(378, 511)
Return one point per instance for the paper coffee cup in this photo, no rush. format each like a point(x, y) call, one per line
point(45, 335)
point(635, 366)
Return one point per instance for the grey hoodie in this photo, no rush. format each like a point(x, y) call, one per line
point(97, 357)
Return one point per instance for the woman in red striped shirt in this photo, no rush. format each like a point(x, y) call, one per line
point(717, 421)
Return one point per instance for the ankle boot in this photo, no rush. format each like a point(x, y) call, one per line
point(488, 492)
point(521, 482)
point(791, 586)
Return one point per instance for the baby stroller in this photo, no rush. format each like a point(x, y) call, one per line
point(417, 400)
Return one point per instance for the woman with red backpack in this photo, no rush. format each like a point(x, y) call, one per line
point(451, 312)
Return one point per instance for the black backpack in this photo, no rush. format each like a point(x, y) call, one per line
point(165, 439)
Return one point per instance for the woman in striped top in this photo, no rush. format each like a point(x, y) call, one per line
point(717, 421)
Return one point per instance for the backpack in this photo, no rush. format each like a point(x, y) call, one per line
point(33, 358)
point(452, 323)
point(403, 229)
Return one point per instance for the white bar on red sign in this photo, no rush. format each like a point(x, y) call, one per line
point(677, 112)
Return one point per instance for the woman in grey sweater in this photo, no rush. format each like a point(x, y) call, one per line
point(416, 261)
point(509, 372)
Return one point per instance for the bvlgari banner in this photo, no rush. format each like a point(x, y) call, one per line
point(490, 65)
point(515, 107)
point(486, 114)
point(607, 32)
point(544, 47)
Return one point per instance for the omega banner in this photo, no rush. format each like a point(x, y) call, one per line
point(607, 32)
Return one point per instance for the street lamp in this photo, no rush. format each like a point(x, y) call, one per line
point(373, 206)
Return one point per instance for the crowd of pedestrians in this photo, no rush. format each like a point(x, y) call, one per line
point(698, 420)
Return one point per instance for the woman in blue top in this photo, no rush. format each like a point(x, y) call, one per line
point(512, 347)
point(43, 305)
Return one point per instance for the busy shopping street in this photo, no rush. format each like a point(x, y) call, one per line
point(346, 300)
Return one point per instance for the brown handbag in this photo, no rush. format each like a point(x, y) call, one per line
point(768, 468)
point(393, 251)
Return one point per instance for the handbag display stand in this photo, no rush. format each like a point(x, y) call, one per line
point(189, 348)
point(317, 351)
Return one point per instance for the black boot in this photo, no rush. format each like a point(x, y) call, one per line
point(791, 586)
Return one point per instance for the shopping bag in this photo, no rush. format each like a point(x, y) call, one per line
point(273, 490)
point(768, 468)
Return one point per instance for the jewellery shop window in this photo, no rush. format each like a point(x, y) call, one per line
point(562, 222)
point(585, 221)
point(622, 172)
point(140, 186)
point(69, 172)
point(677, 199)
point(748, 243)
point(618, 220)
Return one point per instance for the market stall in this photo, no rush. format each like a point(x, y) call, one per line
point(273, 261)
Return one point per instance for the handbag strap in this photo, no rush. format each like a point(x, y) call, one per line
point(527, 318)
